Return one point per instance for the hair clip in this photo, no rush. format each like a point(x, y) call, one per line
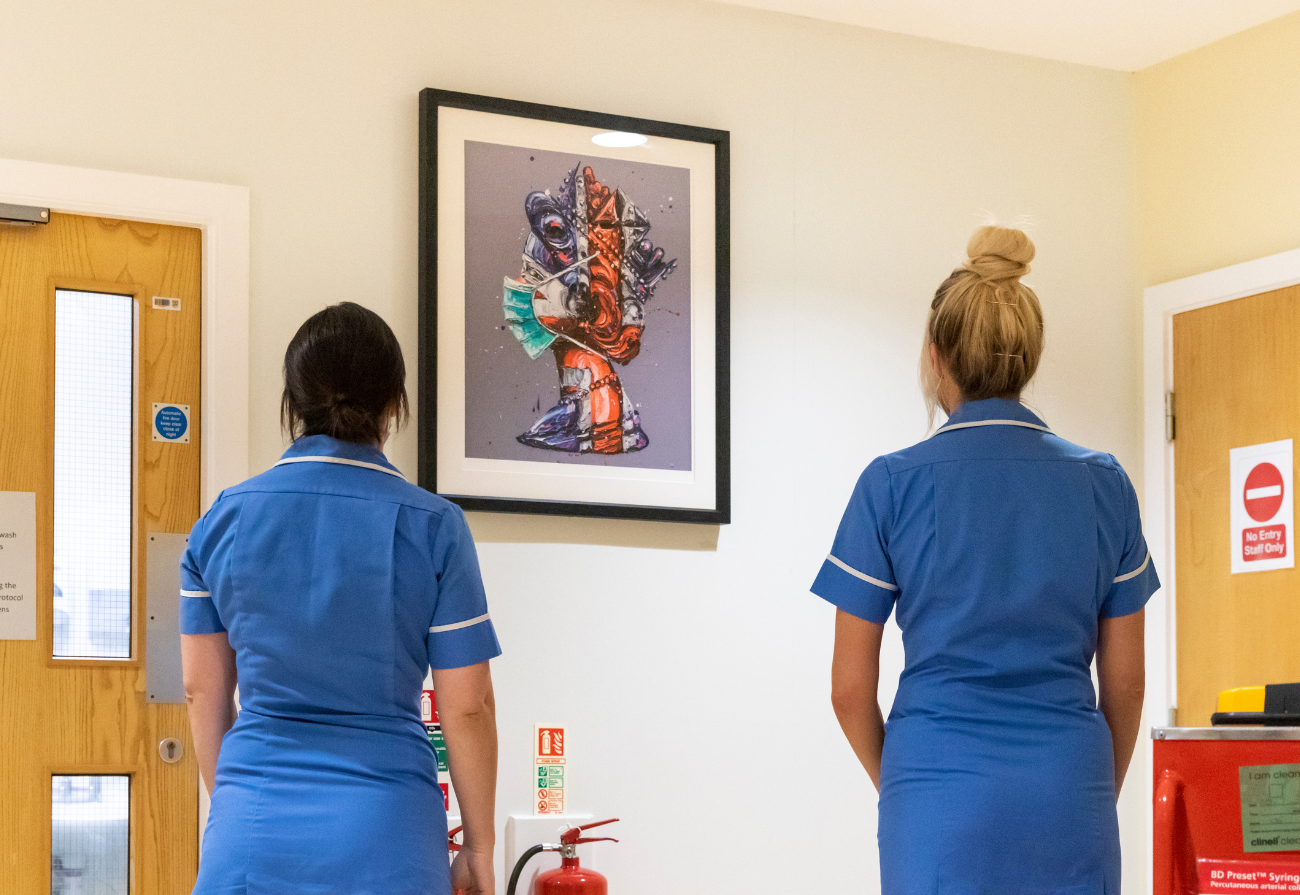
point(994, 301)
point(1000, 354)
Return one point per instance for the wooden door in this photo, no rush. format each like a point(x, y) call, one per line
point(72, 728)
point(1236, 383)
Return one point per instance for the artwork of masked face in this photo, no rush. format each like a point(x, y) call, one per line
point(588, 272)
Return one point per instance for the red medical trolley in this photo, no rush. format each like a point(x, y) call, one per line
point(1227, 810)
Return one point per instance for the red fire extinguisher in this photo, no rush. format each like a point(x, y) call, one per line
point(569, 878)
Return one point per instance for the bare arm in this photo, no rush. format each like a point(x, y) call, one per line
point(855, 674)
point(208, 669)
point(1121, 678)
point(467, 709)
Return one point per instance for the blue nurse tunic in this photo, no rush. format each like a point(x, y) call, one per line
point(339, 585)
point(1000, 545)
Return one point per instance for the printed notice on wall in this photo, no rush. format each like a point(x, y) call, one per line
point(550, 768)
point(1262, 514)
point(1270, 807)
point(17, 565)
point(433, 727)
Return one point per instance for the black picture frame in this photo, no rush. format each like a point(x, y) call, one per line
point(431, 101)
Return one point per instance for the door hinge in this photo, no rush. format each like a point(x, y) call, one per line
point(1169, 416)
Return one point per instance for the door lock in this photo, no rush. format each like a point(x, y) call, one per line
point(171, 750)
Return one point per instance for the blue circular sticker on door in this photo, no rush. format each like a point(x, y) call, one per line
point(171, 422)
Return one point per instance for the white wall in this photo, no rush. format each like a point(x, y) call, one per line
point(691, 662)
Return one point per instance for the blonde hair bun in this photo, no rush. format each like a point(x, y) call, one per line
point(986, 325)
point(999, 253)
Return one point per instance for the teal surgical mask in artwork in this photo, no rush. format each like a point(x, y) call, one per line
point(517, 303)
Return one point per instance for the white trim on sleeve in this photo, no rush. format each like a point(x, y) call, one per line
point(438, 629)
point(1136, 572)
point(344, 461)
point(199, 594)
point(856, 574)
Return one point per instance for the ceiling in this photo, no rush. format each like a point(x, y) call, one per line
point(1126, 35)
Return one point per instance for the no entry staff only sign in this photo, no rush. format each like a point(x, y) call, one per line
point(1263, 518)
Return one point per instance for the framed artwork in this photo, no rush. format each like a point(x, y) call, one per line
point(574, 272)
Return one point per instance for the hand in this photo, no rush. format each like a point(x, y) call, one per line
point(472, 872)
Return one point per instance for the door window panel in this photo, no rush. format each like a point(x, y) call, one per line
point(90, 841)
point(94, 348)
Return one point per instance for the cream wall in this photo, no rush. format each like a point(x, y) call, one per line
point(1219, 153)
point(690, 662)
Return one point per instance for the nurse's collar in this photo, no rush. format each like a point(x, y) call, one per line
point(991, 412)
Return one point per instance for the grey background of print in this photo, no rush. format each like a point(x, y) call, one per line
point(505, 391)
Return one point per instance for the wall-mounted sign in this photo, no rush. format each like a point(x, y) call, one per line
point(550, 768)
point(17, 565)
point(433, 727)
point(171, 422)
point(1262, 514)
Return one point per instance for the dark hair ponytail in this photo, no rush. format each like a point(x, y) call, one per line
point(343, 376)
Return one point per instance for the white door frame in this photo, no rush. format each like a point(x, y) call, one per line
point(1159, 305)
point(220, 212)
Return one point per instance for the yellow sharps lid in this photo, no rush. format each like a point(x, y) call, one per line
point(1242, 699)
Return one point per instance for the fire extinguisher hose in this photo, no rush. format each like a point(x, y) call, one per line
point(519, 866)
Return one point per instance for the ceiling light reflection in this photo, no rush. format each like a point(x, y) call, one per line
point(620, 139)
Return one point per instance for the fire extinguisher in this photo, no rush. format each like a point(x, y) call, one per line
point(569, 878)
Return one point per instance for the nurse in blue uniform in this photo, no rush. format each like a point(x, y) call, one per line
point(1011, 558)
point(326, 588)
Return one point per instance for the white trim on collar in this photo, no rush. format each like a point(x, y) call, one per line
point(992, 423)
point(344, 462)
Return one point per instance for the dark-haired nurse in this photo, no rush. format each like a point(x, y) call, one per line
point(1011, 557)
point(326, 588)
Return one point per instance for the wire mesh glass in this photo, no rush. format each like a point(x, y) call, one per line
point(94, 347)
point(90, 841)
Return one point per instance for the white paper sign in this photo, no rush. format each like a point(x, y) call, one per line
point(17, 565)
point(1263, 517)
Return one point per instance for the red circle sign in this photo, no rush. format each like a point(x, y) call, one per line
point(1263, 492)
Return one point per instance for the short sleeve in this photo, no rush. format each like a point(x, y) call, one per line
point(460, 632)
point(857, 576)
point(1136, 579)
point(198, 612)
